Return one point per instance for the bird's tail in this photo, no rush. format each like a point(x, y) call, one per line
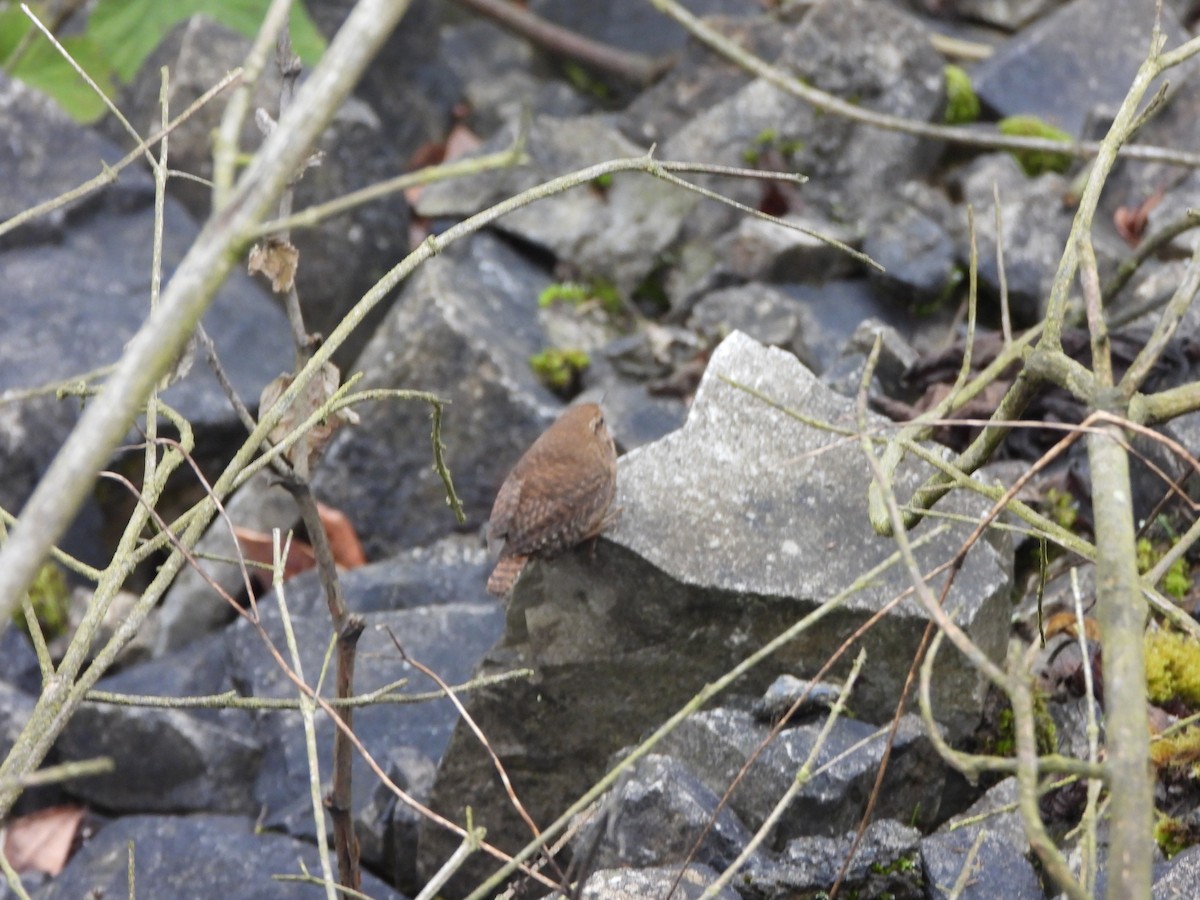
point(505, 575)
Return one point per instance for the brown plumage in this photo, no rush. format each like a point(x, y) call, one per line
point(557, 496)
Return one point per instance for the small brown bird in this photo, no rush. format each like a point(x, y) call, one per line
point(557, 496)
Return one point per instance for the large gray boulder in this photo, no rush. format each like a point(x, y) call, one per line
point(733, 529)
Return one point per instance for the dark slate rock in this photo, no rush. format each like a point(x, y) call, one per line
point(836, 311)
point(758, 250)
point(1035, 227)
point(202, 760)
point(409, 84)
point(1084, 54)
point(1009, 14)
point(1182, 877)
point(464, 328)
point(30, 430)
point(1003, 855)
point(192, 607)
point(100, 270)
point(413, 773)
point(632, 24)
point(46, 154)
point(448, 638)
point(919, 256)
point(884, 865)
point(657, 813)
point(454, 569)
point(786, 691)
point(192, 858)
point(18, 662)
point(871, 53)
point(768, 315)
point(15, 708)
point(341, 257)
point(699, 79)
point(717, 744)
point(895, 358)
point(732, 529)
point(616, 232)
point(499, 74)
point(101, 276)
point(616, 884)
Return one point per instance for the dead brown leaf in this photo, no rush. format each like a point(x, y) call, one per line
point(42, 841)
point(277, 259)
point(305, 453)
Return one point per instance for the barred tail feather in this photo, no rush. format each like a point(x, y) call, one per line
point(505, 575)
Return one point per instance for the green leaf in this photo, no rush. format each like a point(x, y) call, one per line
point(130, 29)
point(120, 35)
point(44, 68)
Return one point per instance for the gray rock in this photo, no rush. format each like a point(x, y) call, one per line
point(203, 760)
point(896, 356)
point(191, 858)
point(883, 865)
point(703, 502)
point(409, 83)
point(18, 662)
point(615, 232)
point(452, 570)
point(657, 814)
point(464, 328)
point(449, 638)
point(699, 79)
point(413, 773)
point(631, 24)
point(870, 53)
point(498, 74)
point(342, 256)
point(15, 708)
point(636, 884)
point(1083, 54)
point(762, 312)
point(717, 745)
point(786, 691)
point(1001, 856)
point(732, 529)
point(1182, 877)
point(1035, 227)
point(192, 607)
point(1009, 14)
point(918, 254)
point(758, 250)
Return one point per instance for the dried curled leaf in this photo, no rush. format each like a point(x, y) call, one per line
point(278, 260)
point(42, 841)
point(306, 451)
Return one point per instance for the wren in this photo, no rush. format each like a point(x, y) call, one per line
point(557, 496)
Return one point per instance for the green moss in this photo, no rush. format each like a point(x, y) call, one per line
point(1178, 579)
point(586, 83)
point(1172, 667)
point(1036, 162)
point(50, 598)
point(1179, 752)
point(1061, 508)
point(577, 293)
point(559, 369)
point(1004, 742)
point(769, 141)
point(1174, 835)
point(962, 104)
